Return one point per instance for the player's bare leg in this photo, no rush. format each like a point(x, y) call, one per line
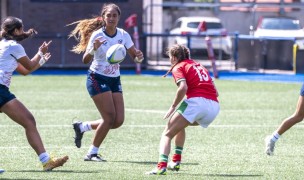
point(175, 125)
point(111, 107)
point(294, 119)
point(176, 159)
point(286, 124)
point(21, 115)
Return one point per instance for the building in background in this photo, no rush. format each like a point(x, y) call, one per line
point(51, 17)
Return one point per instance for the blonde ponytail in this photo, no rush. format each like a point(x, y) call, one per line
point(83, 31)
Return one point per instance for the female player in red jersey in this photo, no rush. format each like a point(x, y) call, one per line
point(200, 107)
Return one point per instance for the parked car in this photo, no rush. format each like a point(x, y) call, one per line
point(212, 26)
point(280, 27)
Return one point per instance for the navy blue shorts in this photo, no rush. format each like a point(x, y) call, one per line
point(5, 95)
point(302, 90)
point(97, 84)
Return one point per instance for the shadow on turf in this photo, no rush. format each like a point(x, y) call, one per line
point(233, 175)
point(15, 179)
point(57, 171)
point(148, 163)
point(182, 173)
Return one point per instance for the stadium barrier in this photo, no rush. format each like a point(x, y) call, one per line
point(299, 69)
point(265, 53)
point(60, 49)
point(156, 44)
point(248, 52)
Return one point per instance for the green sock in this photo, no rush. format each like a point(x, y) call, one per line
point(178, 150)
point(163, 158)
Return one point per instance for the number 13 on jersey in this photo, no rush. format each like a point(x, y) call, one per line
point(201, 72)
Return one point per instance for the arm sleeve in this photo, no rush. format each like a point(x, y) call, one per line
point(129, 43)
point(17, 51)
point(91, 40)
point(178, 74)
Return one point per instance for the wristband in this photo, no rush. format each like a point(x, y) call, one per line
point(40, 53)
point(92, 51)
point(42, 61)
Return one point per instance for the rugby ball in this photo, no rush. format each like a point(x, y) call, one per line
point(116, 53)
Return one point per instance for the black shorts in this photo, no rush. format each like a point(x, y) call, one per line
point(97, 83)
point(5, 95)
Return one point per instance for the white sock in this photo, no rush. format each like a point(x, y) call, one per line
point(44, 157)
point(275, 137)
point(93, 150)
point(85, 126)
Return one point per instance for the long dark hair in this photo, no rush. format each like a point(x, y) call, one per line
point(84, 28)
point(8, 27)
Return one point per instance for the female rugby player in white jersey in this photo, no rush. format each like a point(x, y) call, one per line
point(96, 36)
point(13, 57)
point(289, 122)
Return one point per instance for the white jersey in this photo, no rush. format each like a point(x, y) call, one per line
point(10, 52)
point(100, 64)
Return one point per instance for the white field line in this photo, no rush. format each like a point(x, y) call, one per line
point(143, 125)
point(146, 111)
point(132, 110)
point(94, 110)
point(158, 126)
point(47, 147)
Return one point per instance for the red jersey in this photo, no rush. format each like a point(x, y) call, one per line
point(198, 79)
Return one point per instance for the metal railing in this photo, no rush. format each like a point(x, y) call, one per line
point(246, 51)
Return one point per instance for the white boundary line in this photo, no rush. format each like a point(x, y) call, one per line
point(47, 147)
point(133, 110)
point(94, 110)
point(158, 126)
point(146, 111)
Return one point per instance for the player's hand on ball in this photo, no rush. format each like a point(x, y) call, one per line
point(139, 56)
point(169, 112)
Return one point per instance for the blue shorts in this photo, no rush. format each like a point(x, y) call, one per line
point(302, 90)
point(5, 95)
point(97, 84)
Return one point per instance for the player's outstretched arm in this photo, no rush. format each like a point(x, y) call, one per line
point(26, 65)
point(24, 71)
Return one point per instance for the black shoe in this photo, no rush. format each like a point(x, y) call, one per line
point(78, 133)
